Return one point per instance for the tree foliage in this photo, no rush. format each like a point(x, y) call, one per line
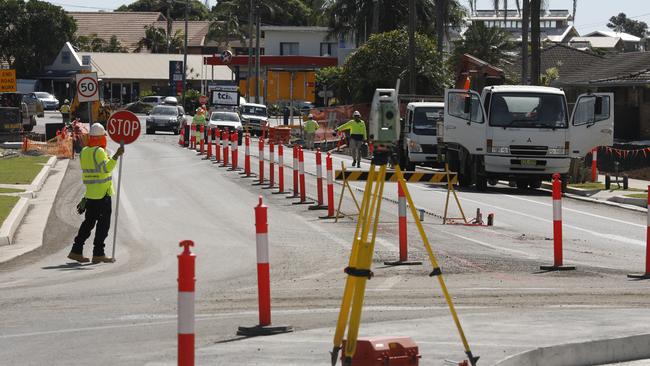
point(33, 33)
point(383, 59)
point(155, 40)
point(224, 24)
point(272, 12)
point(621, 23)
point(93, 43)
point(197, 10)
point(490, 44)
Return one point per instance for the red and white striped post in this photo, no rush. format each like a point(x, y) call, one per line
point(645, 275)
point(281, 168)
point(186, 284)
point(301, 169)
point(594, 164)
point(217, 147)
point(226, 146)
point(260, 147)
point(557, 228)
point(234, 145)
point(192, 136)
point(271, 164)
point(296, 189)
point(247, 155)
point(320, 205)
point(330, 187)
point(209, 149)
point(402, 228)
point(263, 277)
point(202, 135)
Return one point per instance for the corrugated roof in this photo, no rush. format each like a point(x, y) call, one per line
point(618, 69)
point(196, 30)
point(149, 66)
point(626, 37)
point(567, 60)
point(128, 27)
point(598, 42)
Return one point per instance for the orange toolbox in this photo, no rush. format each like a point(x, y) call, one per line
point(384, 351)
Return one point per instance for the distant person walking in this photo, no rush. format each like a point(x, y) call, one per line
point(96, 170)
point(310, 129)
point(358, 135)
point(65, 111)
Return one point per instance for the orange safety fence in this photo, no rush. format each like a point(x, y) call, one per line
point(62, 145)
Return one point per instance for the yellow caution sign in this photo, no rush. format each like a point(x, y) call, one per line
point(409, 177)
point(7, 81)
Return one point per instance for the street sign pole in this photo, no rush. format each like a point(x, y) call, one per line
point(117, 204)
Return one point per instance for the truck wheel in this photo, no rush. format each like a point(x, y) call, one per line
point(522, 184)
point(481, 183)
point(535, 184)
point(493, 182)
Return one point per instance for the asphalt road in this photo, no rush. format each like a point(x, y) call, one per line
point(58, 313)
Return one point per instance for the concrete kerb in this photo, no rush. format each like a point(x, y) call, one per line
point(13, 221)
point(581, 195)
point(597, 352)
point(38, 181)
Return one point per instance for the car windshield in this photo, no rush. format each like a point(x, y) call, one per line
point(425, 120)
point(165, 111)
point(257, 111)
point(223, 116)
point(43, 95)
point(528, 110)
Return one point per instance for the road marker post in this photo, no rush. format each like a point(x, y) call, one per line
point(234, 146)
point(294, 169)
point(319, 183)
point(217, 146)
point(260, 147)
point(645, 275)
point(193, 136)
point(202, 144)
point(186, 289)
point(271, 164)
point(225, 137)
point(303, 189)
point(330, 187)
point(557, 229)
point(403, 235)
point(280, 168)
point(209, 149)
point(263, 279)
point(594, 164)
point(247, 155)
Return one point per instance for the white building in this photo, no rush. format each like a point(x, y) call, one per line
point(305, 41)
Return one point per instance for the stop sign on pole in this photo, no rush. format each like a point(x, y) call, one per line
point(123, 127)
point(203, 99)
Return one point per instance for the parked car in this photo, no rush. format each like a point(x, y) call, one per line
point(227, 120)
point(152, 100)
point(48, 100)
point(166, 118)
point(34, 106)
point(254, 117)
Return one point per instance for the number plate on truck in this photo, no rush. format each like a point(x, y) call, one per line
point(529, 162)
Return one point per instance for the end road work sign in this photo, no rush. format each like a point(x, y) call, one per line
point(7, 81)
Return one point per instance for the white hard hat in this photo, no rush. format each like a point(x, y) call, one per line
point(66, 101)
point(356, 114)
point(310, 116)
point(97, 130)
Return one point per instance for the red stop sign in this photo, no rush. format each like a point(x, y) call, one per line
point(203, 99)
point(123, 127)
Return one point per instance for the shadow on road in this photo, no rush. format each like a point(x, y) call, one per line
point(70, 266)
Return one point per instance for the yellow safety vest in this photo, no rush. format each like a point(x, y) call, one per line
point(199, 119)
point(65, 108)
point(356, 128)
point(311, 126)
point(96, 170)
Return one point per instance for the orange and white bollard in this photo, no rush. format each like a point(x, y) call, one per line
point(320, 205)
point(193, 136)
point(181, 137)
point(260, 147)
point(225, 137)
point(557, 228)
point(301, 168)
point(330, 187)
point(208, 153)
point(402, 229)
point(594, 164)
point(217, 146)
point(263, 278)
point(645, 275)
point(247, 155)
point(280, 168)
point(296, 189)
point(271, 164)
point(234, 146)
point(202, 135)
point(186, 284)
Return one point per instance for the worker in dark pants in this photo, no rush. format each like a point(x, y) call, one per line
point(97, 177)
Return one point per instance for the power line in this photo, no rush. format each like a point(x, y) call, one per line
point(81, 6)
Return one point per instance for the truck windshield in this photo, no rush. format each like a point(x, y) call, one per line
point(528, 110)
point(425, 120)
point(257, 111)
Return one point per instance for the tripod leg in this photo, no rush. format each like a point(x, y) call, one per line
point(350, 283)
point(437, 272)
point(363, 273)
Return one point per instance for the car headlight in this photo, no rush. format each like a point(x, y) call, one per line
point(414, 146)
point(500, 150)
point(556, 151)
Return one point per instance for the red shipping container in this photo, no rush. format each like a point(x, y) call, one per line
point(385, 351)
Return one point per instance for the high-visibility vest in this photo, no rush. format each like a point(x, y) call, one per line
point(96, 170)
point(311, 126)
point(356, 128)
point(65, 108)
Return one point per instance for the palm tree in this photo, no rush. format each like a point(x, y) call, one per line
point(155, 40)
point(490, 44)
point(575, 6)
point(225, 27)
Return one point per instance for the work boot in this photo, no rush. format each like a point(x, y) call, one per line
point(102, 259)
point(354, 162)
point(78, 257)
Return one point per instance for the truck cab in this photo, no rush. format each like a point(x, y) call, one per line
point(519, 133)
point(418, 140)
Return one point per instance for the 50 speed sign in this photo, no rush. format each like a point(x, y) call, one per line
point(87, 87)
point(123, 127)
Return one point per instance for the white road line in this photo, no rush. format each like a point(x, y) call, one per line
point(495, 247)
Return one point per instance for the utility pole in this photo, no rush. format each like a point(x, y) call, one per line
point(535, 64)
point(187, 6)
point(250, 50)
point(257, 54)
point(525, 19)
point(412, 18)
point(169, 24)
point(375, 17)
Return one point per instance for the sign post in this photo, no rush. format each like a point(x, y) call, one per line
point(124, 128)
point(88, 91)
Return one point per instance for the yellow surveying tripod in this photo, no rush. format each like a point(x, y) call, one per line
point(358, 269)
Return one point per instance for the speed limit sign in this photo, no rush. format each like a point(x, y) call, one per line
point(87, 87)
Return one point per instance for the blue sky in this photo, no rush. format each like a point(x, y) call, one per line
point(591, 14)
